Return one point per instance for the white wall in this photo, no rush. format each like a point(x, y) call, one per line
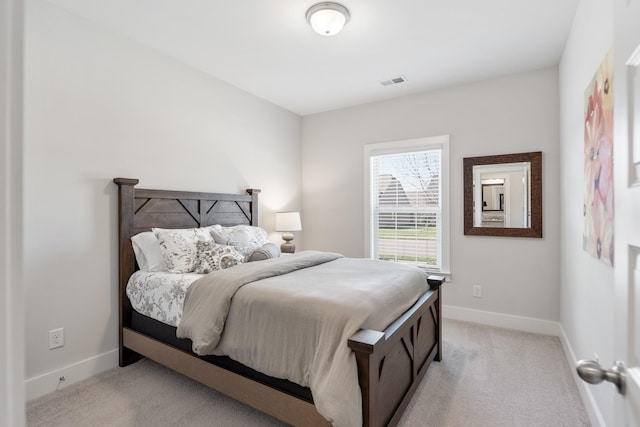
point(99, 106)
point(517, 113)
point(587, 291)
point(11, 287)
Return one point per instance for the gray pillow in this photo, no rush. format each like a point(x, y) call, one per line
point(266, 251)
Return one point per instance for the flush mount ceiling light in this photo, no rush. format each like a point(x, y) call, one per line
point(328, 19)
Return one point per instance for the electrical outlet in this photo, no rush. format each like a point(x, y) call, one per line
point(56, 338)
point(477, 291)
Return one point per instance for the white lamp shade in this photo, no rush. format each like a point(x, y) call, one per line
point(327, 19)
point(288, 221)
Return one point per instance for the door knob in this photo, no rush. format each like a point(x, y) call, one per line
point(591, 372)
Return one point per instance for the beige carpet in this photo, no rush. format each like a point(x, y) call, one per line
point(489, 377)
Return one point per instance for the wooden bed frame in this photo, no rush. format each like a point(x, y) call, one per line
point(391, 363)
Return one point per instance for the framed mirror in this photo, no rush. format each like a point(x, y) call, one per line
point(503, 195)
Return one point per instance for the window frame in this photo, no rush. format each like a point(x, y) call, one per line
point(407, 146)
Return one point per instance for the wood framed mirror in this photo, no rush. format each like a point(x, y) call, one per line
point(503, 195)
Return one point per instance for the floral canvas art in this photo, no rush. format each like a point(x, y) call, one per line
point(598, 164)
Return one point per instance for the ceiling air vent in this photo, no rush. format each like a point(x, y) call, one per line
point(393, 81)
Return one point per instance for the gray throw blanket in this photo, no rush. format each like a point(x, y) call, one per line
point(208, 299)
point(311, 312)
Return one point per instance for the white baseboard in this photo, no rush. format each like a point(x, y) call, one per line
point(583, 388)
point(500, 320)
point(50, 382)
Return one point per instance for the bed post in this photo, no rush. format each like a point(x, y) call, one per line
point(435, 282)
point(254, 192)
point(127, 262)
point(438, 308)
point(366, 344)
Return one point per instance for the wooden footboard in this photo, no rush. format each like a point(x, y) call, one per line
point(392, 363)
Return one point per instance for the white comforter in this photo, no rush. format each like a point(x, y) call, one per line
point(312, 312)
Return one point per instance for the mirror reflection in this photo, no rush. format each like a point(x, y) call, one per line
point(503, 198)
point(492, 195)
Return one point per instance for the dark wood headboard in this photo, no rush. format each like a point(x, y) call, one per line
point(140, 210)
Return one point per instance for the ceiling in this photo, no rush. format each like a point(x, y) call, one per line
point(266, 47)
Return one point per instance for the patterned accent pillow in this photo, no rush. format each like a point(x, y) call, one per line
point(211, 256)
point(178, 247)
point(245, 238)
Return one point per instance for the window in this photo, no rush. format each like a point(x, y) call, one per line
point(407, 202)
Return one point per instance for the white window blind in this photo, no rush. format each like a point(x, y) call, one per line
point(406, 206)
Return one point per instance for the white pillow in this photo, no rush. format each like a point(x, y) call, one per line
point(212, 256)
point(179, 247)
point(244, 238)
point(148, 253)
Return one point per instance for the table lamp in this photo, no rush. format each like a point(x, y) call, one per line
point(288, 222)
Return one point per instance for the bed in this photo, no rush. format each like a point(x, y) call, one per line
point(390, 362)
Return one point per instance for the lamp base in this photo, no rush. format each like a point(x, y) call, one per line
point(287, 248)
